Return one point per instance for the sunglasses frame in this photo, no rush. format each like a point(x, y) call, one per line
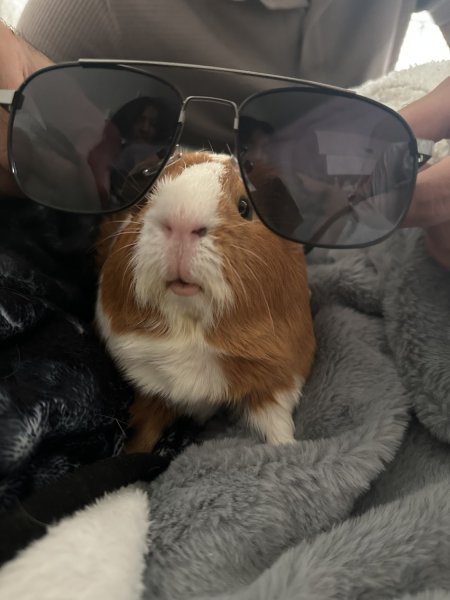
point(10, 101)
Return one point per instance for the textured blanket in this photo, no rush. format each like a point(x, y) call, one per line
point(358, 507)
point(61, 401)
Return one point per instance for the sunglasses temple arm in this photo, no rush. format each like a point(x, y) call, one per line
point(424, 151)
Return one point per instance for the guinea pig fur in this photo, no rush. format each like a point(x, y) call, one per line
point(202, 306)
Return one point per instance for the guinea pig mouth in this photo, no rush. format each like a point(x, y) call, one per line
point(183, 288)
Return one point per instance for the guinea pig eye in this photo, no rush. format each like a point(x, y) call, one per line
point(244, 208)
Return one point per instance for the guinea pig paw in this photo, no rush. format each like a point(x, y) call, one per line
point(280, 438)
point(275, 424)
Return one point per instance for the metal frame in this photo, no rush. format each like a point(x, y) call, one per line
point(7, 96)
point(306, 82)
point(10, 99)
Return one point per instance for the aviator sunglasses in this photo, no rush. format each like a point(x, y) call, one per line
point(321, 165)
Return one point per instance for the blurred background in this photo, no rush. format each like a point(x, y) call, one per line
point(423, 42)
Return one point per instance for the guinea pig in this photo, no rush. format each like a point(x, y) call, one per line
point(202, 306)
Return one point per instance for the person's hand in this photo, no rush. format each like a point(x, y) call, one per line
point(429, 118)
point(17, 61)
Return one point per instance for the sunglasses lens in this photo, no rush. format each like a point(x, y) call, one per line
point(326, 168)
point(92, 139)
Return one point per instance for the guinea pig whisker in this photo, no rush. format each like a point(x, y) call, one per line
point(125, 273)
point(126, 221)
point(120, 221)
point(117, 233)
point(233, 227)
point(268, 309)
point(122, 248)
point(250, 253)
point(238, 277)
point(112, 236)
point(124, 232)
point(128, 268)
point(250, 271)
point(133, 186)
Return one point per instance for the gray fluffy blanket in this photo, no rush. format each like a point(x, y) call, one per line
point(358, 507)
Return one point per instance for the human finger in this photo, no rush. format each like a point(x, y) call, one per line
point(430, 205)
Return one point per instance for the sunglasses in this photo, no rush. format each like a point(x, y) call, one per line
point(322, 166)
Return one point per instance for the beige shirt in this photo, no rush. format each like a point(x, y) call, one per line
point(342, 42)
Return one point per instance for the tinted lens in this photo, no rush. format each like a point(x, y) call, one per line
point(91, 139)
point(326, 168)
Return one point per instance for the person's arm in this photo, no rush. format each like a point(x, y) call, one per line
point(429, 117)
point(17, 61)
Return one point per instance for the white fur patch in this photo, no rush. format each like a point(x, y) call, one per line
point(182, 368)
point(274, 420)
point(96, 553)
point(194, 194)
point(192, 198)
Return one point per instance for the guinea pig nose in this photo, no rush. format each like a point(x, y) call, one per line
point(201, 231)
point(177, 230)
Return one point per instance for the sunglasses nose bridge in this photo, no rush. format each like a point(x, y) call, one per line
point(210, 99)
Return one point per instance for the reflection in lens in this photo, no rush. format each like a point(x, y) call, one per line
point(81, 134)
point(336, 170)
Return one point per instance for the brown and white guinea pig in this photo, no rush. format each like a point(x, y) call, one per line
point(202, 306)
